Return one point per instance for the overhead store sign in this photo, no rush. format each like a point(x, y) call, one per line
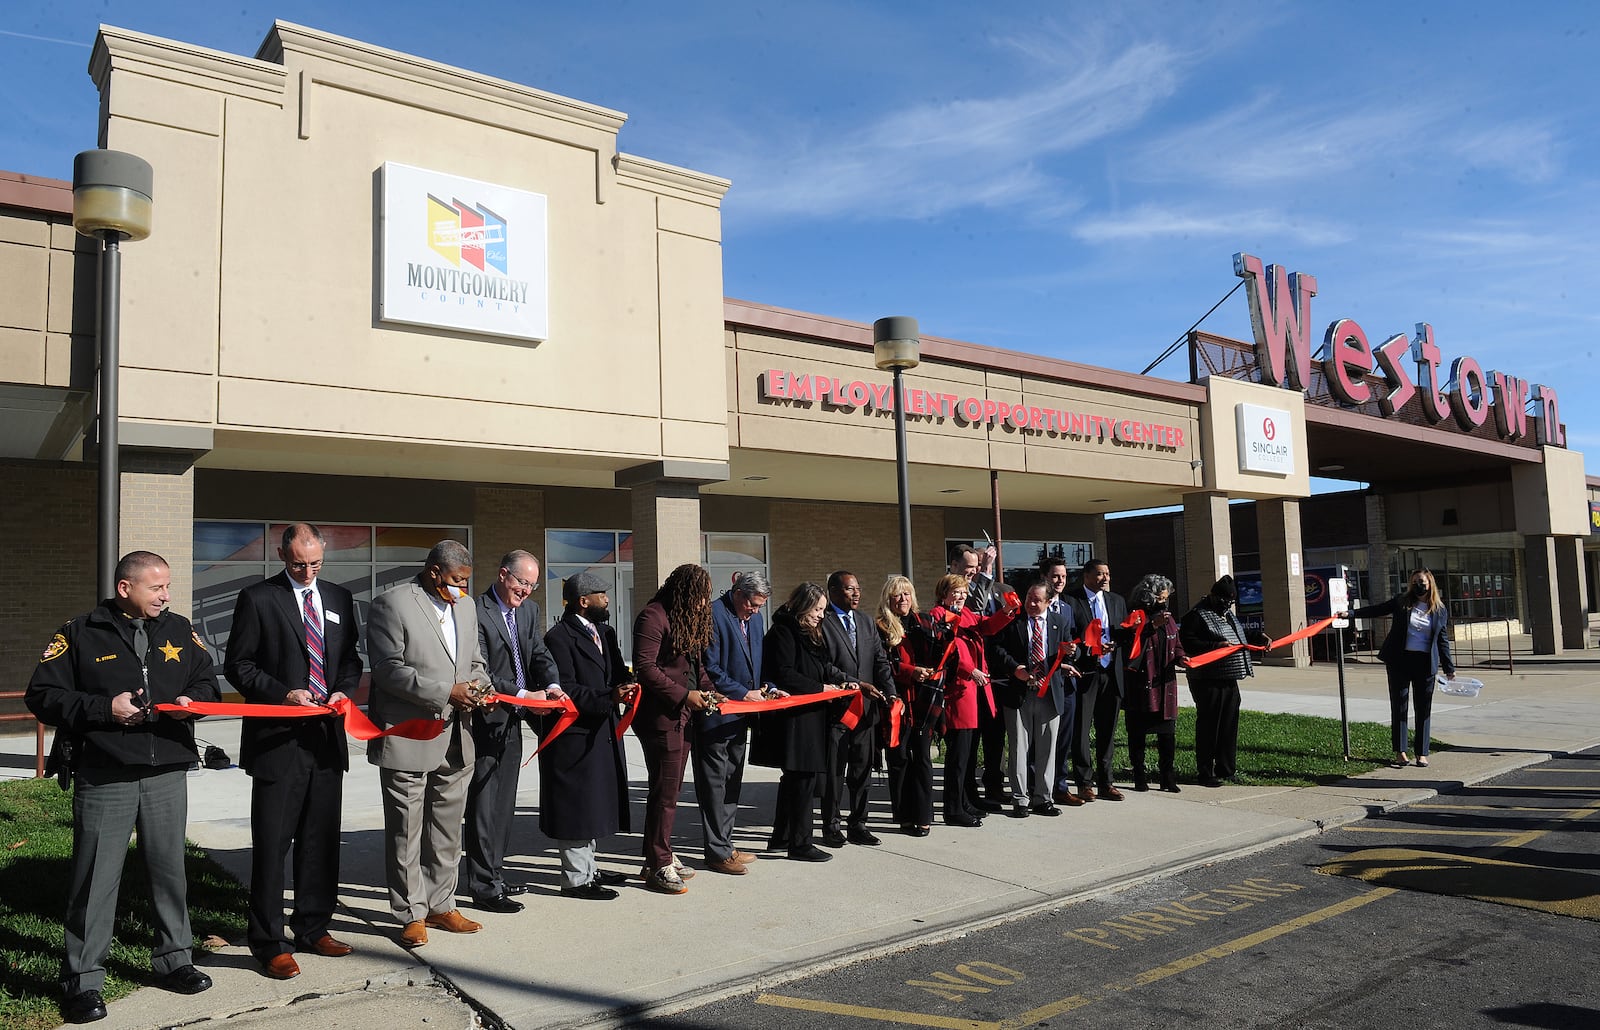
point(869, 398)
point(1266, 440)
point(1280, 315)
point(463, 254)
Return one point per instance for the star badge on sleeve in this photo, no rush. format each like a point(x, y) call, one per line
point(172, 652)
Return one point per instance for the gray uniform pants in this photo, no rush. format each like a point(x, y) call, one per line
point(718, 778)
point(106, 806)
point(1034, 725)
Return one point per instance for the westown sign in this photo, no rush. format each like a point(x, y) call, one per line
point(1280, 314)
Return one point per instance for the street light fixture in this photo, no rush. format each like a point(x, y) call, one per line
point(897, 346)
point(111, 201)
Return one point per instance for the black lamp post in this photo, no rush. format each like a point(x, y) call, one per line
point(111, 194)
point(897, 346)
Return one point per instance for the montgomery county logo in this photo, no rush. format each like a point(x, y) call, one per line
point(472, 233)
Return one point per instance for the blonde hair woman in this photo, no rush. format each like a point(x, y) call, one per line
point(1415, 649)
point(911, 761)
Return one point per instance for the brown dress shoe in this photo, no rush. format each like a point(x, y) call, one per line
point(415, 935)
point(731, 866)
point(281, 967)
point(453, 922)
point(743, 857)
point(327, 947)
point(1067, 799)
point(1085, 792)
point(1110, 793)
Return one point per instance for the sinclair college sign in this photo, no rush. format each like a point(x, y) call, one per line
point(1280, 313)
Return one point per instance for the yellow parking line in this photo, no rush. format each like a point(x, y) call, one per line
point(1412, 830)
point(1077, 1001)
point(1550, 786)
point(880, 1015)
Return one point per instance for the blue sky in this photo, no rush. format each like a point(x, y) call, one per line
point(1062, 178)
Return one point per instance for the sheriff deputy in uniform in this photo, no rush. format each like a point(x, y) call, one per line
point(98, 683)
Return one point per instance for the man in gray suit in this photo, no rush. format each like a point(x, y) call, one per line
point(423, 642)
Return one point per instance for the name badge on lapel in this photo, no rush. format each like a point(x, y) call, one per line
point(332, 617)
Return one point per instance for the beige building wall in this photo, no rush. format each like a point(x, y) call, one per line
point(1219, 438)
point(251, 308)
point(47, 307)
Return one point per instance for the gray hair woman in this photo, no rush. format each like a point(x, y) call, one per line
point(1151, 679)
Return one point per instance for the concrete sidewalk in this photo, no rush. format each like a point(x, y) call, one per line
point(564, 962)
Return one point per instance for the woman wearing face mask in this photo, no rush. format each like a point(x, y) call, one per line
point(1151, 680)
point(1210, 626)
point(1417, 647)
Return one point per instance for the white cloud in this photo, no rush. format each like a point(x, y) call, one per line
point(928, 159)
point(1151, 222)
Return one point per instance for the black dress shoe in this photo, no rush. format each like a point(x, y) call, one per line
point(85, 1007)
point(1018, 812)
point(864, 836)
point(498, 903)
point(811, 854)
point(594, 890)
point(613, 879)
point(916, 831)
point(833, 839)
point(985, 805)
point(512, 890)
point(1210, 781)
point(186, 980)
point(963, 819)
point(1046, 809)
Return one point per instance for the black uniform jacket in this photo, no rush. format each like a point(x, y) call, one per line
point(91, 660)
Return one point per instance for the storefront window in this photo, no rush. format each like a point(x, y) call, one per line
point(725, 555)
point(1022, 557)
point(229, 556)
point(1479, 584)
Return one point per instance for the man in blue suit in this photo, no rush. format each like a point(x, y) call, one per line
point(734, 664)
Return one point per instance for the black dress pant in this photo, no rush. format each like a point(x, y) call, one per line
point(299, 804)
point(794, 816)
point(958, 748)
point(1095, 730)
point(1166, 755)
point(491, 804)
point(848, 781)
point(991, 734)
point(913, 803)
point(1216, 727)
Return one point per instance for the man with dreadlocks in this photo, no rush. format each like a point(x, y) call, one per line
point(670, 639)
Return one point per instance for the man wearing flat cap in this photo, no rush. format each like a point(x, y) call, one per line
point(583, 776)
point(1210, 625)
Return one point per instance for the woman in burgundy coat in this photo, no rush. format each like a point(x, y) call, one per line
point(1151, 679)
point(670, 638)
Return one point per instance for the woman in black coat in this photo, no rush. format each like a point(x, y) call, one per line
point(1415, 649)
point(795, 658)
point(1210, 626)
point(583, 775)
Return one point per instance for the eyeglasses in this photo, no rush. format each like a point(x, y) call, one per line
point(305, 566)
point(519, 581)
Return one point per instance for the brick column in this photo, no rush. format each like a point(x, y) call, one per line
point(1378, 547)
point(1544, 605)
point(1283, 591)
point(1207, 543)
point(505, 518)
point(666, 517)
point(1572, 591)
point(158, 515)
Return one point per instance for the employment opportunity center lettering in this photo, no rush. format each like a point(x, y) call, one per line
point(833, 392)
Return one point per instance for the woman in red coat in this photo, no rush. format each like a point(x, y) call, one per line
point(911, 762)
point(1150, 694)
point(670, 638)
point(958, 635)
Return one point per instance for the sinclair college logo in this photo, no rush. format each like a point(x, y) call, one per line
point(464, 254)
point(460, 232)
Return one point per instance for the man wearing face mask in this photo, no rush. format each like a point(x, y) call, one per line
point(1209, 626)
point(1151, 680)
point(423, 638)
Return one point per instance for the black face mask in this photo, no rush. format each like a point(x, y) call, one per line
point(1419, 590)
point(1220, 604)
point(1156, 606)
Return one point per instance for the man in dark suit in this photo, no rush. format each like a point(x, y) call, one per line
point(293, 642)
point(1099, 686)
point(734, 664)
point(1021, 655)
point(854, 646)
point(510, 635)
point(583, 776)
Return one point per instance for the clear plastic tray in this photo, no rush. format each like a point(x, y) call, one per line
point(1461, 686)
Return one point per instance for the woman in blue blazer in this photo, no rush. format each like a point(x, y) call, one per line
point(1415, 649)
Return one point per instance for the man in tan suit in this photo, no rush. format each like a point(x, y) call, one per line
point(423, 641)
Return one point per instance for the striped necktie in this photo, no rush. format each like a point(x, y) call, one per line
point(516, 648)
point(314, 647)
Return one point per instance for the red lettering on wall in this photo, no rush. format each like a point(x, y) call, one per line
point(1280, 314)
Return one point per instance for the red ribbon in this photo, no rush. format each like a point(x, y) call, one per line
point(564, 705)
point(792, 701)
point(633, 710)
point(356, 722)
point(1061, 654)
point(1094, 638)
point(1135, 621)
point(1222, 652)
point(897, 710)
